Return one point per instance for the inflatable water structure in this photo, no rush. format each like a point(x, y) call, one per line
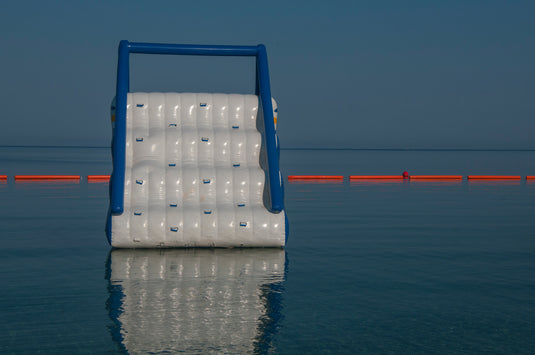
point(195, 169)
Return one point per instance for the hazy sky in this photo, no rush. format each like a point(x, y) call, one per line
point(358, 74)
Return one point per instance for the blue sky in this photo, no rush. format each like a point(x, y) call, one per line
point(346, 74)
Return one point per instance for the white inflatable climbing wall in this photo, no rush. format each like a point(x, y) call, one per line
point(194, 174)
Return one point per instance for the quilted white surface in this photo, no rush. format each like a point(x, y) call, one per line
point(193, 175)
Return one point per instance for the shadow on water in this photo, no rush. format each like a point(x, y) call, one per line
point(195, 300)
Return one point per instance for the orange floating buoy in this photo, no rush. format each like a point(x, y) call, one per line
point(316, 181)
point(98, 178)
point(494, 177)
point(530, 177)
point(315, 177)
point(47, 177)
point(3, 177)
point(375, 177)
point(436, 177)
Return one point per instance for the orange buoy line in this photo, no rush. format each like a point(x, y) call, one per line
point(316, 181)
point(315, 177)
point(494, 177)
point(301, 177)
point(375, 177)
point(436, 177)
point(47, 177)
point(98, 178)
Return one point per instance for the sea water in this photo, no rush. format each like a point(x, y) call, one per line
point(370, 267)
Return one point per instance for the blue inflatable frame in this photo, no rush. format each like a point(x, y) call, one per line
point(263, 90)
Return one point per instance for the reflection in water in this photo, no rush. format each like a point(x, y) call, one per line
point(195, 300)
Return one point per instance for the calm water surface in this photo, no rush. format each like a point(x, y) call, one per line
point(396, 267)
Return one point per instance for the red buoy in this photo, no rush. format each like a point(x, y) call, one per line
point(46, 177)
point(98, 178)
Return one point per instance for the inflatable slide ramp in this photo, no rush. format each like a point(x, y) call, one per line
point(195, 169)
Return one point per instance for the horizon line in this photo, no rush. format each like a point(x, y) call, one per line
point(301, 148)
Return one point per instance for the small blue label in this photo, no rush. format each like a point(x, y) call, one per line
point(243, 224)
point(139, 105)
point(203, 104)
